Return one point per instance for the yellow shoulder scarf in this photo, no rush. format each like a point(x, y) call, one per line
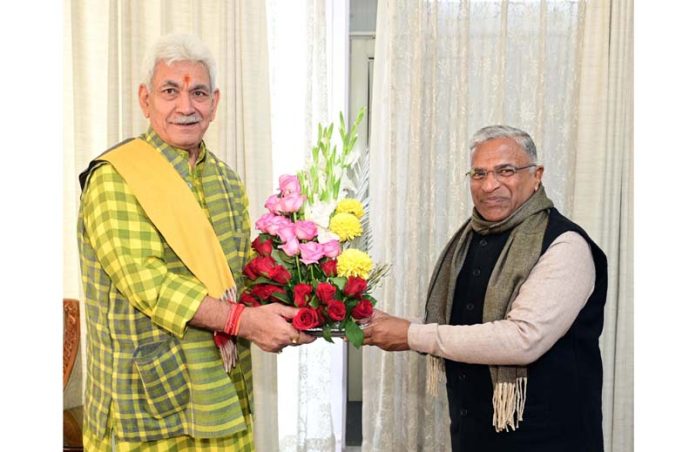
point(173, 209)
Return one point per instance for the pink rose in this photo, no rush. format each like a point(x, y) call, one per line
point(272, 204)
point(305, 230)
point(331, 248)
point(275, 223)
point(287, 233)
point(290, 203)
point(263, 222)
point(289, 184)
point(291, 247)
point(311, 252)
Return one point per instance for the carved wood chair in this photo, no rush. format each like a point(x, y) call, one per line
point(72, 417)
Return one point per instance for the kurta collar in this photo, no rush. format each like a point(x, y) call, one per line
point(176, 156)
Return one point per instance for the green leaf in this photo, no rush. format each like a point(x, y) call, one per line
point(282, 296)
point(369, 297)
point(339, 281)
point(280, 256)
point(263, 280)
point(326, 333)
point(354, 334)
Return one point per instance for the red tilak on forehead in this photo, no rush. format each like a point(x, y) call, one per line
point(187, 79)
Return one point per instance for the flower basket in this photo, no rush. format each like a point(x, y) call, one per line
point(312, 249)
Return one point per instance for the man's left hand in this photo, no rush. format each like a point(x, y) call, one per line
point(387, 332)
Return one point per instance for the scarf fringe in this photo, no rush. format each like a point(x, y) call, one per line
point(227, 344)
point(228, 352)
point(435, 374)
point(508, 404)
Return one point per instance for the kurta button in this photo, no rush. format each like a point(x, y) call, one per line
point(476, 272)
point(483, 242)
point(463, 412)
point(462, 377)
point(470, 306)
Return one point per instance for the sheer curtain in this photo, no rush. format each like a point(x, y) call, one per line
point(561, 70)
point(308, 45)
point(104, 45)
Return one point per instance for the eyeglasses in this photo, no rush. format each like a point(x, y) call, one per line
point(500, 172)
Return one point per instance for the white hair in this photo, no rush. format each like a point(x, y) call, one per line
point(178, 47)
point(501, 131)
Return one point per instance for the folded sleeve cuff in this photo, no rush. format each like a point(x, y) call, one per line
point(179, 299)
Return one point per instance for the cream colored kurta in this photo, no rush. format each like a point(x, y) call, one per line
point(556, 290)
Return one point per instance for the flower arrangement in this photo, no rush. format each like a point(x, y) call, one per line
point(308, 252)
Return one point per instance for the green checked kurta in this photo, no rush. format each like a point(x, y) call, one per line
point(151, 377)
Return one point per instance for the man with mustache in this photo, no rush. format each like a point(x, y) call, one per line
point(513, 314)
point(163, 233)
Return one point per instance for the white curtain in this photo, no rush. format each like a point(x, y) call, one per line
point(308, 44)
point(104, 45)
point(561, 70)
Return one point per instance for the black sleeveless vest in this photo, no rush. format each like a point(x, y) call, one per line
point(563, 410)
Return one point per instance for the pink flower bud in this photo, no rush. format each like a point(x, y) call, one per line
point(289, 185)
point(263, 222)
point(305, 230)
point(287, 233)
point(290, 203)
point(272, 204)
point(291, 248)
point(311, 252)
point(331, 248)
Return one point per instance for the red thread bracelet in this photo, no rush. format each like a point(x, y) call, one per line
point(237, 316)
point(232, 324)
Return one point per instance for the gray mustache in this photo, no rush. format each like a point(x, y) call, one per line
point(187, 119)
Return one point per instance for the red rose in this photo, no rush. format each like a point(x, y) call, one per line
point(329, 267)
point(325, 292)
point(305, 319)
point(262, 265)
point(249, 271)
point(320, 317)
point(355, 287)
point(249, 300)
point(265, 291)
point(336, 310)
point(301, 294)
point(262, 247)
point(362, 310)
point(280, 274)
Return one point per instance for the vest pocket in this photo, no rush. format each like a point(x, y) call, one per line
point(162, 372)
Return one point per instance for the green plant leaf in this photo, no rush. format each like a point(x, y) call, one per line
point(354, 334)
point(326, 332)
point(282, 296)
point(339, 281)
point(371, 298)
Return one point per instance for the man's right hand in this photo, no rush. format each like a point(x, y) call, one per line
point(268, 327)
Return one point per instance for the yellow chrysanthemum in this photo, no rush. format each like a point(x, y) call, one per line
point(350, 205)
point(346, 226)
point(352, 262)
